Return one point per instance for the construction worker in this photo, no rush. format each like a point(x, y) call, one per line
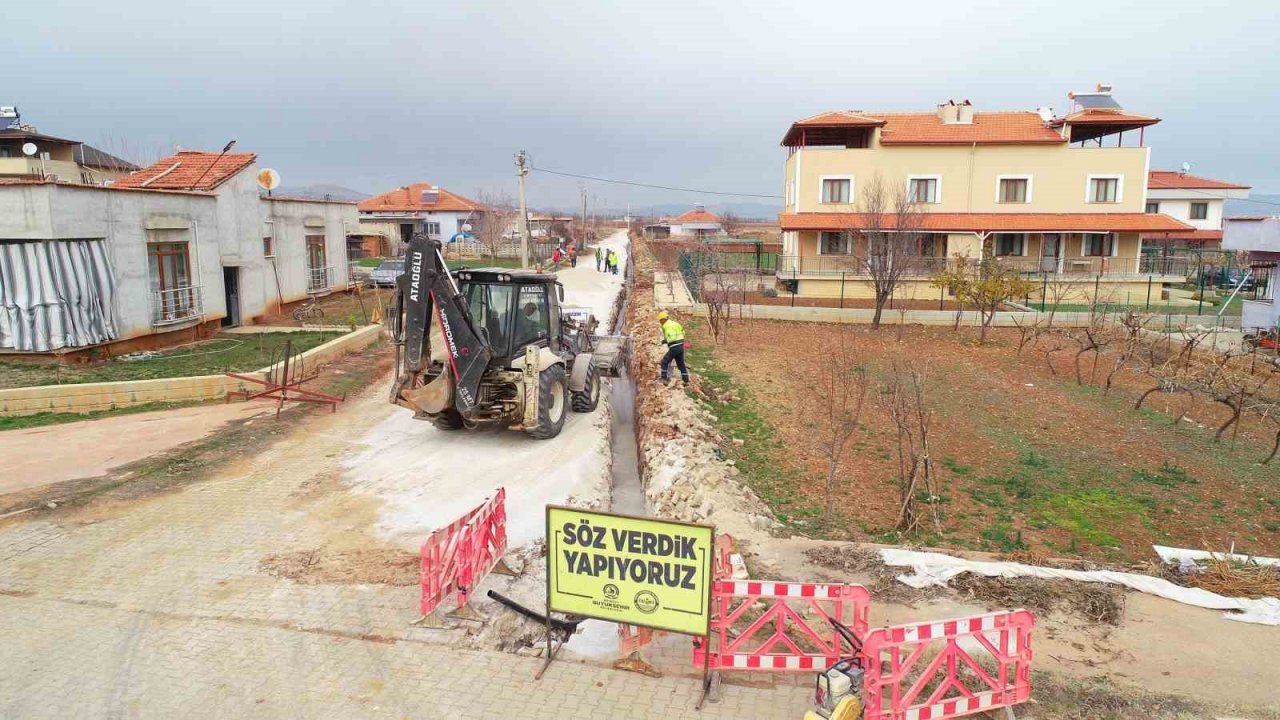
point(673, 337)
point(599, 259)
point(612, 261)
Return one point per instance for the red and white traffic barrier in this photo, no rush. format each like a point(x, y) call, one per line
point(773, 641)
point(457, 557)
point(947, 669)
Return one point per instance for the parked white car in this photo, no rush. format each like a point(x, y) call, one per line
point(386, 273)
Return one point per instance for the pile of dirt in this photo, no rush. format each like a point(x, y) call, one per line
point(382, 566)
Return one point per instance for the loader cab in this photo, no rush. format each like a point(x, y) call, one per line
point(512, 309)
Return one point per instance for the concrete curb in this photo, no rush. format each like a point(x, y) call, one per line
point(91, 397)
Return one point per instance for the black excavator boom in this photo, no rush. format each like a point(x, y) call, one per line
point(425, 288)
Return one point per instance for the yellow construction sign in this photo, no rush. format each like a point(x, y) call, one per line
point(653, 573)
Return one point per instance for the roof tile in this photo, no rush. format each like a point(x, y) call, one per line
point(409, 199)
point(1171, 179)
point(183, 170)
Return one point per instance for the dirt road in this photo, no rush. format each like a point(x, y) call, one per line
point(43, 455)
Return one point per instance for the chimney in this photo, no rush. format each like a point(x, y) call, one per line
point(964, 113)
point(948, 113)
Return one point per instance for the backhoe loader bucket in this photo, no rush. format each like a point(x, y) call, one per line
point(610, 353)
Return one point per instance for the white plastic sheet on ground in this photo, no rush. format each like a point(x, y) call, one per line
point(938, 569)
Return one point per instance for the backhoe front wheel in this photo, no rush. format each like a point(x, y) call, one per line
point(553, 402)
point(586, 399)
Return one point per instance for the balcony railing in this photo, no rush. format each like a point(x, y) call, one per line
point(1097, 265)
point(176, 305)
point(857, 266)
point(319, 279)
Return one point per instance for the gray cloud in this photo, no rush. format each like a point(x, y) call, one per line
point(373, 95)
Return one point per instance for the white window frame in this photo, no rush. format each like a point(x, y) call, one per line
point(848, 243)
point(937, 194)
point(1088, 189)
point(822, 180)
point(1191, 209)
point(1030, 188)
point(1146, 207)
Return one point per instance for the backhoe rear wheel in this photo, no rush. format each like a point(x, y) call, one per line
point(553, 402)
point(586, 399)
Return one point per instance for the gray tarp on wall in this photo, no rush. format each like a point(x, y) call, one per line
point(55, 294)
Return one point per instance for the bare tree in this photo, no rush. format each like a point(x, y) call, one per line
point(490, 227)
point(840, 386)
point(730, 223)
point(911, 417)
point(888, 222)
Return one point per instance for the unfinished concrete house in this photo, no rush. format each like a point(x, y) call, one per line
point(165, 254)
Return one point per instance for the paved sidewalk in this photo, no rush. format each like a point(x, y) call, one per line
point(85, 660)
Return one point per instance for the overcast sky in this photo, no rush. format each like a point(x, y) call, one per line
point(372, 95)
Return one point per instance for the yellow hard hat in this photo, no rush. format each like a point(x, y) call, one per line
point(662, 315)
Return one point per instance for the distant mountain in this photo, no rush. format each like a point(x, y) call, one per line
point(1257, 204)
point(321, 192)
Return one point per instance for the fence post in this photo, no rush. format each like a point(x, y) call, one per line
point(1200, 309)
point(942, 298)
point(1097, 283)
point(1044, 290)
point(841, 290)
point(795, 284)
point(1150, 279)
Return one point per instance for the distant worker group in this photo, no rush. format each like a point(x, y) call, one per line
point(606, 260)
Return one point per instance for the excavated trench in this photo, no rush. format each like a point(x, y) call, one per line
point(626, 491)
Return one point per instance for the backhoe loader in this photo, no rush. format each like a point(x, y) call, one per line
point(493, 346)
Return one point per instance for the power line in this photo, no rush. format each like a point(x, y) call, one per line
point(655, 187)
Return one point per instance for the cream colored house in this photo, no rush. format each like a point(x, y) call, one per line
point(1061, 197)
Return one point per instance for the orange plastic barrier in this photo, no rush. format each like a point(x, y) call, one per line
point(457, 557)
point(781, 638)
point(947, 669)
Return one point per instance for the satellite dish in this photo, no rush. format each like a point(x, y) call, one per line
point(1186, 168)
point(268, 179)
point(1046, 114)
point(466, 227)
point(29, 149)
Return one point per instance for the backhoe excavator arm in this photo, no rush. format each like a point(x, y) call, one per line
point(426, 288)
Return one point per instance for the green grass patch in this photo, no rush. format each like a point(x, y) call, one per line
point(370, 262)
point(51, 418)
point(226, 353)
point(1169, 476)
point(1087, 513)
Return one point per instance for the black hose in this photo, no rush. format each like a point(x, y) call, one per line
point(565, 626)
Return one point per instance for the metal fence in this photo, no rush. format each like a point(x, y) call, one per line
point(176, 305)
point(319, 279)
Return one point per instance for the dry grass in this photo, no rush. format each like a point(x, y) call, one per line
point(1228, 578)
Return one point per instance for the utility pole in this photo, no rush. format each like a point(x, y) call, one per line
point(522, 169)
point(582, 189)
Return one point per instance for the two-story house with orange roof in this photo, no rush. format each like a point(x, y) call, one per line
point(1058, 196)
point(1197, 201)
